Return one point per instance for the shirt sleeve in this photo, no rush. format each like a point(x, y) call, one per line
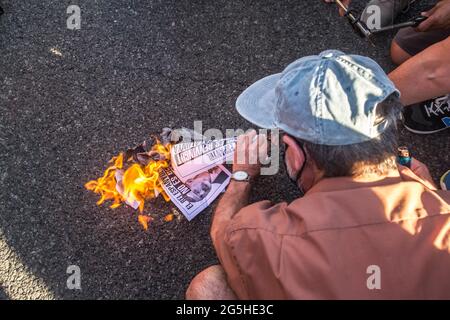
point(234, 243)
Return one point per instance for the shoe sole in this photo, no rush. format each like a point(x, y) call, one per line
point(424, 132)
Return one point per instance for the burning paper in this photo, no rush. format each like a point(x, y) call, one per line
point(136, 183)
point(144, 172)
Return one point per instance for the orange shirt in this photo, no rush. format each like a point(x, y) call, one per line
point(321, 245)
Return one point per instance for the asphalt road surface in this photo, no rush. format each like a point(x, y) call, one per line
point(71, 99)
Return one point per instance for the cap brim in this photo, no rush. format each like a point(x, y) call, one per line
point(257, 103)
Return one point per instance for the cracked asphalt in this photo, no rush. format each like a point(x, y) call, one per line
point(71, 99)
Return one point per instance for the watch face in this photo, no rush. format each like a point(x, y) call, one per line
point(240, 175)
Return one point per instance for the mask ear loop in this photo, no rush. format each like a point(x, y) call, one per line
point(300, 171)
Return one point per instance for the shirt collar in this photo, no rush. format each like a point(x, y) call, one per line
point(345, 183)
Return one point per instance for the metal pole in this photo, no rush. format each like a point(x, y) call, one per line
point(355, 21)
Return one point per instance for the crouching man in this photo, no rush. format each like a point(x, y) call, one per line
point(366, 228)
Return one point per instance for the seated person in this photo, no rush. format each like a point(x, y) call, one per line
point(366, 227)
point(423, 54)
point(423, 76)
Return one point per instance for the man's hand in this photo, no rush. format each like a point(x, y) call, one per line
point(421, 170)
point(438, 17)
point(250, 149)
point(345, 2)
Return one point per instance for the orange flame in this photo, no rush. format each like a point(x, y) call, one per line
point(140, 183)
point(144, 221)
point(106, 185)
point(169, 217)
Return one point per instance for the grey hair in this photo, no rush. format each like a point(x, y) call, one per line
point(377, 155)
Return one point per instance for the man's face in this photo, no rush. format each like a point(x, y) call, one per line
point(200, 186)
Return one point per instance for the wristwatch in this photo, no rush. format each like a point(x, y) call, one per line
point(240, 176)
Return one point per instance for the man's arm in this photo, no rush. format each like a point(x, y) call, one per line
point(248, 148)
point(424, 76)
point(235, 198)
point(427, 75)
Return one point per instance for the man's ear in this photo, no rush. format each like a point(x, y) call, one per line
point(294, 154)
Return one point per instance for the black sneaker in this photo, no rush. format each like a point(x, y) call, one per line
point(428, 117)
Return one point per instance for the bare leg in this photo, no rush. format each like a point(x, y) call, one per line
point(210, 284)
point(424, 76)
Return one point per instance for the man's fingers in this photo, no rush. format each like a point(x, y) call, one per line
point(250, 157)
point(415, 164)
point(241, 149)
point(262, 140)
point(243, 144)
point(419, 168)
point(344, 2)
point(239, 141)
point(263, 147)
point(427, 24)
point(347, 4)
point(430, 12)
point(251, 135)
point(251, 148)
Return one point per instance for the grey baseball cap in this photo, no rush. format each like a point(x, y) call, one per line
point(327, 99)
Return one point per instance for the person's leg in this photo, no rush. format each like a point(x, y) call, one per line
point(398, 55)
point(424, 76)
point(210, 284)
point(408, 42)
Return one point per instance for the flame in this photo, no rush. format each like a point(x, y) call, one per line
point(144, 221)
point(169, 217)
point(140, 183)
point(106, 185)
